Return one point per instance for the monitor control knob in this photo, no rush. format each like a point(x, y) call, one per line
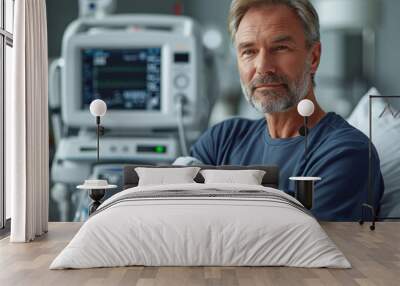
point(181, 81)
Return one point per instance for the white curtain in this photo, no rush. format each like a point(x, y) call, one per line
point(27, 148)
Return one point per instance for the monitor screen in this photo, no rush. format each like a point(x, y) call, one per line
point(126, 79)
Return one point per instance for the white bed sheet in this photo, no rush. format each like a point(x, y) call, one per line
point(200, 232)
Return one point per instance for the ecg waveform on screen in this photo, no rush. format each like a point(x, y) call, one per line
point(127, 79)
point(119, 84)
point(133, 69)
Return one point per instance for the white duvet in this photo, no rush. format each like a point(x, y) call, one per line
point(202, 231)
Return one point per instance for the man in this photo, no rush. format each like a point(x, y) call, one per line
point(278, 53)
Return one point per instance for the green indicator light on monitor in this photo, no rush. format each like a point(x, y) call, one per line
point(160, 149)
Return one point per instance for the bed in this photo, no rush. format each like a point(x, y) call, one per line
point(201, 224)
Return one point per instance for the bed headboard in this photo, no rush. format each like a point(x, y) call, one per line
point(270, 179)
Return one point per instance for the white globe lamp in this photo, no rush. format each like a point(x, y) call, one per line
point(305, 108)
point(98, 108)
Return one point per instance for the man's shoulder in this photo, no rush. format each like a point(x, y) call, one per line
point(339, 132)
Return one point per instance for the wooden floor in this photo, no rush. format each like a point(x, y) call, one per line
point(375, 257)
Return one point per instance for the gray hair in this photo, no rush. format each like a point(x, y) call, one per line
point(303, 9)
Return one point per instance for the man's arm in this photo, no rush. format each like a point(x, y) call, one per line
point(207, 146)
point(203, 149)
point(344, 185)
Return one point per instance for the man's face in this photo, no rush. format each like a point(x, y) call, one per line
point(275, 64)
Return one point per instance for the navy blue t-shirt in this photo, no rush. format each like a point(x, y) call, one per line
point(337, 152)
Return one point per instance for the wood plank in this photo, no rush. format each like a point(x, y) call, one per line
point(374, 255)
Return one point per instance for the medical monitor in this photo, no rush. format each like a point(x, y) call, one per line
point(140, 72)
point(126, 79)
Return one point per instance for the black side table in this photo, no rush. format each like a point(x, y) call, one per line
point(304, 192)
point(97, 190)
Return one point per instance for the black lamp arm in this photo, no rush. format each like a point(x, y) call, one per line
point(305, 136)
point(98, 137)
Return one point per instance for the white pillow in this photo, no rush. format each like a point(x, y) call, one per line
point(386, 138)
point(248, 177)
point(164, 176)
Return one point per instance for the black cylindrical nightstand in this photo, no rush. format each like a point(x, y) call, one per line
point(304, 192)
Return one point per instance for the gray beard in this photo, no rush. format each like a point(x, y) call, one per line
point(272, 101)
